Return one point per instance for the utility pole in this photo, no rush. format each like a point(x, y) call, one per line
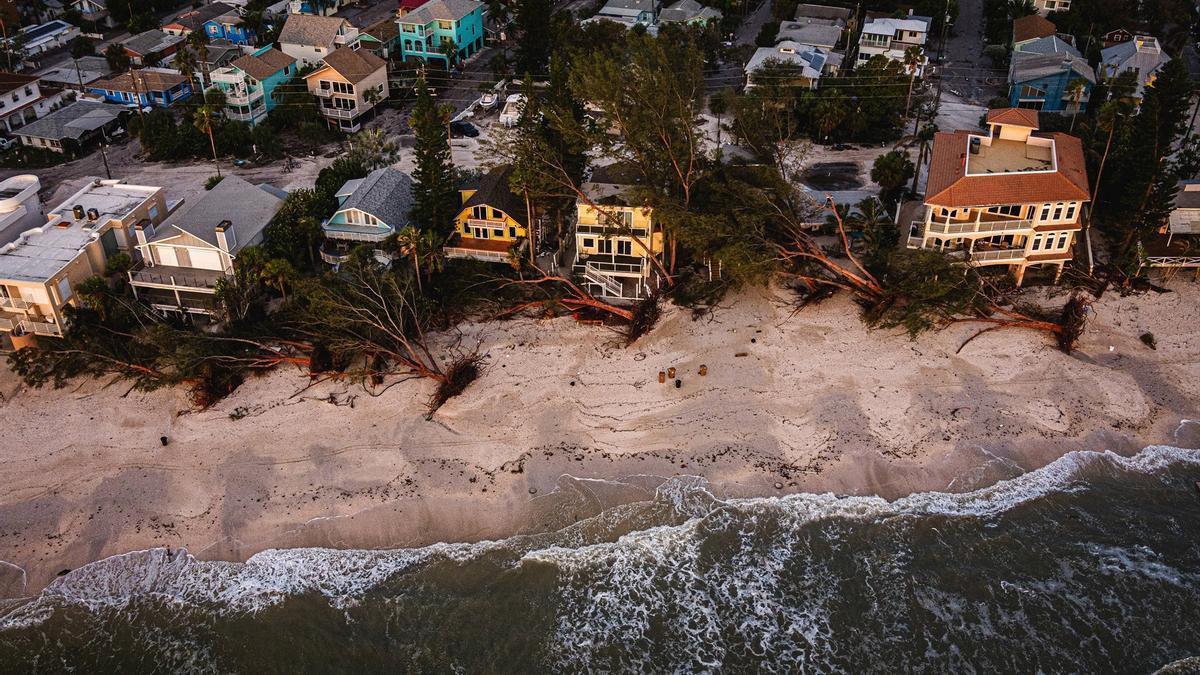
point(937, 99)
point(104, 152)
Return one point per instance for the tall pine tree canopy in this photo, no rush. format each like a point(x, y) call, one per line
point(435, 198)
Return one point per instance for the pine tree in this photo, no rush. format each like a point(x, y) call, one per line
point(534, 35)
point(435, 198)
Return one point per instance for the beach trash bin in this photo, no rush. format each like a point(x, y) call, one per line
point(703, 370)
point(671, 373)
point(662, 377)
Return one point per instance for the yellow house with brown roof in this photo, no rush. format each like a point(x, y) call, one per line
point(348, 84)
point(492, 220)
point(616, 238)
point(1013, 196)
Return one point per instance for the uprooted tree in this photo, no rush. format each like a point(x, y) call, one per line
point(917, 290)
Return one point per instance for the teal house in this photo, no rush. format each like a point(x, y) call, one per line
point(449, 31)
point(249, 83)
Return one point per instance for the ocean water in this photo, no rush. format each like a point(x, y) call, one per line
point(1091, 564)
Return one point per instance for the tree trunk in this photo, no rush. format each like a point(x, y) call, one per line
point(212, 142)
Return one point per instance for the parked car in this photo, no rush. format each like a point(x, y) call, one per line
point(460, 129)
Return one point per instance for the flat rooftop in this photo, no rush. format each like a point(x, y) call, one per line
point(40, 253)
point(1009, 156)
point(112, 200)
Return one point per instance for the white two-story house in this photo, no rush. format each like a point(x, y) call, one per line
point(22, 101)
point(891, 38)
point(191, 251)
point(309, 39)
point(1013, 196)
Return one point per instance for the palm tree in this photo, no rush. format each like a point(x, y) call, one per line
point(198, 40)
point(450, 50)
point(94, 292)
point(913, 57)
point(1074, 91)
point(828, 113)
point(276, 273)
point(409, 242)
point(185, 63)
point(205, 117)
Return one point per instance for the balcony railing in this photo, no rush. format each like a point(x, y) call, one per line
point(941, 227)
point(625, 268)
point(29, 326)
point(6, 324)
point(916, 242)
point(147, 276)
point(369, 237)
point(340, 113)
point(334, 258)
point(14, 303)
point(583, 228)
point(998, 255)
point(475, 253)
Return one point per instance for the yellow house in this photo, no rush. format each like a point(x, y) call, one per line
point(349, 84)
point(615, 237)
point(491, 221)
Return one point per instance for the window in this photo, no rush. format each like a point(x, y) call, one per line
point(498, 232)
point(624, 247)
point(497, 214)
point(1037, 242)
point(512, 232)
point(1007, 210)
point(1045, 212)
point(466, 228)
point(479, 212)
point(154, 212)
point(1029, 91)
point(605, 246)
point(28, 91)
point(1071, 212)
point(64, 289)
point(1058, 211)
point(949, 213)
point(408, 28)
point(446, 25)
point(1062, 240)
point(589, 243)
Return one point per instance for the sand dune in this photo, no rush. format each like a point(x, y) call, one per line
point(810, 401)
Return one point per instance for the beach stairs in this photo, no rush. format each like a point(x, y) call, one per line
point(612, 287)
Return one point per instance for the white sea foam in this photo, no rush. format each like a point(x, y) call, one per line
point(621, 607)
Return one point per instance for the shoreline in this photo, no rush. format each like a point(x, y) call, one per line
point(817, 404)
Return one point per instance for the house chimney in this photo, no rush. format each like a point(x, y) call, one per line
point(226, 240)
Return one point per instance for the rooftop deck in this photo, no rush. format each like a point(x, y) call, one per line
point(1009, 156)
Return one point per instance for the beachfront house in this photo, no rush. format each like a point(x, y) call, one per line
point(1142, 56)
point(1050, 75)
point(191, 251)
point(1013, 196)
point(616, 237)
point(23, 101)
point(40, 268)
point(491, 222)
point(74, 129)
point(891, 38)
point(249, 83)
point(349, 84)
point(815, 35)
point(450, 31)
point(369, 210)
point(156, 87)
point(805, 63)
point(309, 39)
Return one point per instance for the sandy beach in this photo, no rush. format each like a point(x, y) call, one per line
point(808, 401)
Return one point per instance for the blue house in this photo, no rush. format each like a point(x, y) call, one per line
point(156, 87)
point(314, 7)
point(229, 26)
point(1041, 73)
point(249, 83)
point(438, 26)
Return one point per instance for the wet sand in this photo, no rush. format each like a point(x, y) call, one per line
point(806, 402)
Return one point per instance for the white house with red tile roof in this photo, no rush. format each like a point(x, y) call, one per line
point(1012, 196)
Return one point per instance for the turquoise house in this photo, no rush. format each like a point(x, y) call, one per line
point(426, 32)
point(249, 83)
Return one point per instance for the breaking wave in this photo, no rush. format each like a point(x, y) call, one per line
point(1089, 563)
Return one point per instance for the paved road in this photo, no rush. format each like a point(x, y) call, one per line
point(965, 69)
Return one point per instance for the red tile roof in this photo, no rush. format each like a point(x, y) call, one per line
point(949, 185)
point(1018, 116)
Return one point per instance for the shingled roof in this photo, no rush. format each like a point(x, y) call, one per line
point(312, 31)
point(148, 80)
point(1032, 27)
point(264, 65)
point(443, 10)
point(354, 65)
point(385, 193)
point(495, 192)
point(949, 185)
